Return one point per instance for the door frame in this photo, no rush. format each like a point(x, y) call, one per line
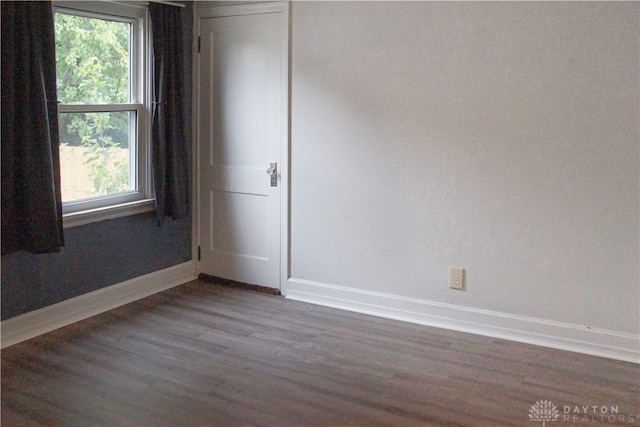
point(281, 7)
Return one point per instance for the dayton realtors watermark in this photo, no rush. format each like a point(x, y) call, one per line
point(596, 413)
point(545, 411)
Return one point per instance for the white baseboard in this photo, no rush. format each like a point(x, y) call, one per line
point(564, 336)
point(47, 319)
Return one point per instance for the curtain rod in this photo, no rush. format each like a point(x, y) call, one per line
point(168, 3)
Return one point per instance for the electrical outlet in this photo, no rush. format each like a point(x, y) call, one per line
point(456, 278)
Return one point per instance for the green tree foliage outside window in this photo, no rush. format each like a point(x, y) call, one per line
point(93, 67)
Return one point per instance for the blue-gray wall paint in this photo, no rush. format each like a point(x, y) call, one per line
point(95, 256)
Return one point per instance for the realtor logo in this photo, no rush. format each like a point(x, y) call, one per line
point(543, 410)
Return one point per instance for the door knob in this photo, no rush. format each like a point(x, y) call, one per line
point(273, 173)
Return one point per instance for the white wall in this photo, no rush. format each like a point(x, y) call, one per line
point(498, 137)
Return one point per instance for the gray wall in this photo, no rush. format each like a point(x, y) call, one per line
point(95, 255)
point(501, 137)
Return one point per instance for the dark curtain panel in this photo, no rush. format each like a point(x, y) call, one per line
point(31, 197)
point(169, 145)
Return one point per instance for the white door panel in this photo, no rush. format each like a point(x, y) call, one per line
point(239, 134)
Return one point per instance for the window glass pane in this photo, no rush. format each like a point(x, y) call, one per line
point(92, 60)
point(95, 156)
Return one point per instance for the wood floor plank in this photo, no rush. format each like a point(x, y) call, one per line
point(207, 355)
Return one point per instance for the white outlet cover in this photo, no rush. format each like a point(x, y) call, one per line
point(456, 278)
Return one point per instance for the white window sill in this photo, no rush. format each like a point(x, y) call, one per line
point(75, 219)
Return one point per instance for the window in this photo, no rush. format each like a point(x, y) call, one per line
point(101, 59)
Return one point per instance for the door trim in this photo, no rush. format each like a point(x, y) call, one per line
point(281, 7)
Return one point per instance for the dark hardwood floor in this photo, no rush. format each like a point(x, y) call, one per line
point(205, 355)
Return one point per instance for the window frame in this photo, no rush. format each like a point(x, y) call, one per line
point(139, 200)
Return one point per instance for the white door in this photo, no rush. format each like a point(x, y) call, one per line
point(241, 128)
